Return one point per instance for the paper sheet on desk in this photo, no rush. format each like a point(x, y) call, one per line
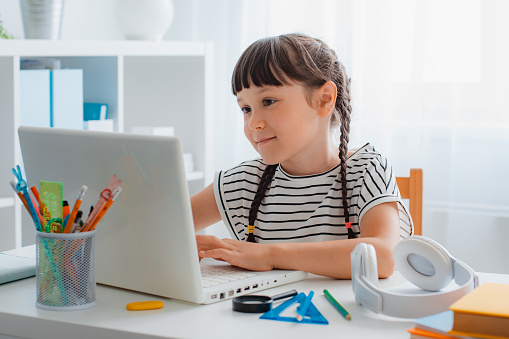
point(14, 268)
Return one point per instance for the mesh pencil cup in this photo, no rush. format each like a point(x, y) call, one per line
point(65, 271)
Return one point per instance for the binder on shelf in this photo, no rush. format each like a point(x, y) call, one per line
point(67, 98)
point(34, 98)
point(51, 98)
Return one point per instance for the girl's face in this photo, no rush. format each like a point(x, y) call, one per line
point(283, 125)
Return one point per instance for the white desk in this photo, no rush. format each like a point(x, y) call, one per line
point(19, 317)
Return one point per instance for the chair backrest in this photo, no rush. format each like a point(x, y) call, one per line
point(411, 189)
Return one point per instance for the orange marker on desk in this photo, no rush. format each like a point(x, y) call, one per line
point(75, 209)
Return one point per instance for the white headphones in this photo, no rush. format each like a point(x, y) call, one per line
point(422, 261)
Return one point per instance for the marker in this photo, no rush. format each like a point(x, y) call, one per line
point(65, 209)
point(75, 209)
point(302, 309)
point(334, 303)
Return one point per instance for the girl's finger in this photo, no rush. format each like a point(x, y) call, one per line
point(218, 254)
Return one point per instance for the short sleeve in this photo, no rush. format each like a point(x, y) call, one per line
point(379, 186)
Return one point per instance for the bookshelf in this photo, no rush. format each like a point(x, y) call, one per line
point(144, 83)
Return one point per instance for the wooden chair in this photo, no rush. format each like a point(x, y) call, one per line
point(411, 189)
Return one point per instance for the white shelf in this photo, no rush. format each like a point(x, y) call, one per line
point(6, 202)
point(51, 48)
point(144, 83)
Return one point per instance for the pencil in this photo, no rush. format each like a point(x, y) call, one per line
point(334, 303)
point(301, 311)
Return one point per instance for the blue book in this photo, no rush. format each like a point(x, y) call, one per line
point(34, 98)
point(67, 98)
point(94, 111)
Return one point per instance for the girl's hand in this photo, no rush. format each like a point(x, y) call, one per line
point(251, 256)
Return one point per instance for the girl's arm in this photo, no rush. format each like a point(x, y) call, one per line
point(379, 227)
point(205, 212)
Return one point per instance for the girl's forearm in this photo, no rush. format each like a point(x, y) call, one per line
point(329, 258)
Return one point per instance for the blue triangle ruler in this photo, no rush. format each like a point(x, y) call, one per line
point(312, 316)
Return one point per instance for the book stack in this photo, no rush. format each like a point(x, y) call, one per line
point(483, 313)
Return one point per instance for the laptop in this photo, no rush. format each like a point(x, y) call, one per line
point(146, 242)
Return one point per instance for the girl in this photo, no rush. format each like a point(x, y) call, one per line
point(301, 206)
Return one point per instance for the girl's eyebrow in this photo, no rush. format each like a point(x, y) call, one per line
point(259, 91)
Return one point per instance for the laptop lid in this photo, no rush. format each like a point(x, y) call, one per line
point(146, 241)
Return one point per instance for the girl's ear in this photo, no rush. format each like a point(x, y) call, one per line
point(326, 98)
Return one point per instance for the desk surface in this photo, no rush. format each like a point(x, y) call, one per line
point(109, 319)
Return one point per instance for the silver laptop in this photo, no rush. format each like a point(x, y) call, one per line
point(146, 242)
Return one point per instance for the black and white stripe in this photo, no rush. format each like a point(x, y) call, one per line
point(307, 208)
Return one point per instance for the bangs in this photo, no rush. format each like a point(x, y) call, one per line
point(265, 62)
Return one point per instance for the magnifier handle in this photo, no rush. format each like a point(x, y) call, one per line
point(285, 295)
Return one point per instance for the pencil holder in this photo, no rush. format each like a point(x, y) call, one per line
point(65, 270)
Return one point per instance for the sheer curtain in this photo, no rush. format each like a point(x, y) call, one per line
point(430, 86)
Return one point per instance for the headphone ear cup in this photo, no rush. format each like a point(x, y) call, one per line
point(369, 263)
point(424, 263)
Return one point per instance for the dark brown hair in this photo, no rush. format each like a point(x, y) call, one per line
point(309, 61)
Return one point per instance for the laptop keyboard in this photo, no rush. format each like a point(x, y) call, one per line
point(215, 275)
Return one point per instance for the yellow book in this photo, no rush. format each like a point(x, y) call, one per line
point(484, 312)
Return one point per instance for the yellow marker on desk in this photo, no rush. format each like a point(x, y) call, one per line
point(145, 305)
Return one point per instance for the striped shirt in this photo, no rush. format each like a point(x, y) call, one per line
point(307, 208)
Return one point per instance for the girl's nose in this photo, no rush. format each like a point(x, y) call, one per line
point(255, 121)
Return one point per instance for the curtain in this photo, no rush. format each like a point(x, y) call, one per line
point(430, 89)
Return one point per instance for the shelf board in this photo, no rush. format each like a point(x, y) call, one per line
point(6, 202)
point(83, 48)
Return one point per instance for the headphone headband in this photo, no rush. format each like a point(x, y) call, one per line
point(418, 271)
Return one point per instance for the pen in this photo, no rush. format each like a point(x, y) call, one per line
point(302, 309)
point(76, 227)
point(103, 210)
point(334, 303)
point(105, 195)
point(75, 209)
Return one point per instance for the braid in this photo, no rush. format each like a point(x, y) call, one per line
point(273, 61)
point(267, 176)
point(344, 108)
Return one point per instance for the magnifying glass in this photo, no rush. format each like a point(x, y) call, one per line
point(258, 303)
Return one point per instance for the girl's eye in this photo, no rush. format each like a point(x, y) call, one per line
point(268, 102)
point(245, 110)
